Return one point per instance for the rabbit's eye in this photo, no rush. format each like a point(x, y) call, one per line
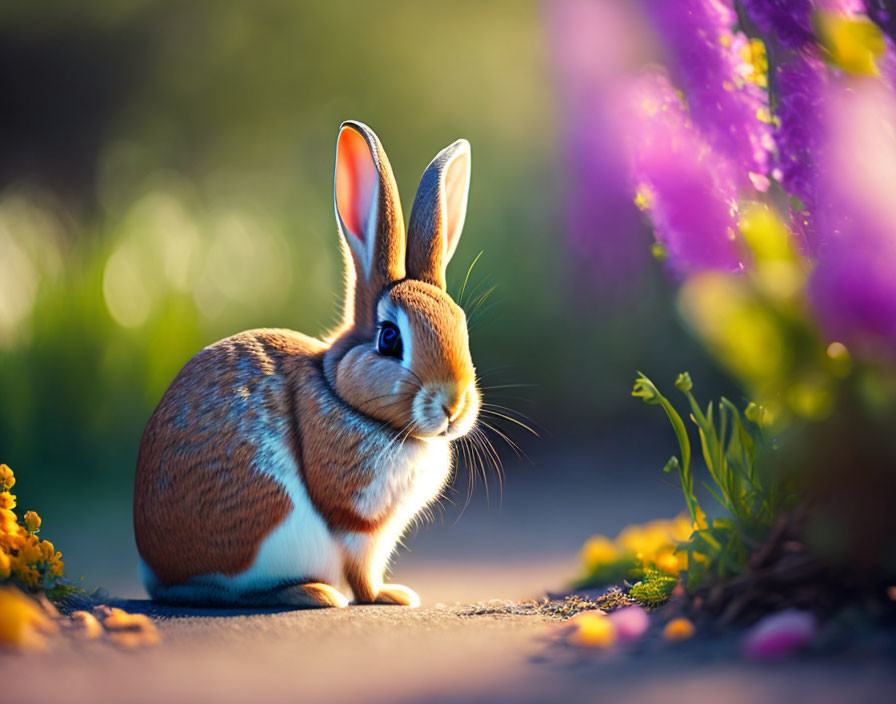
point(389, 341)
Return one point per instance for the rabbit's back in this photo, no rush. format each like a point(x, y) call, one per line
point(216, 473)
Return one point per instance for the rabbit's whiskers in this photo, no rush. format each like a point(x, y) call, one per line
point(502, 412)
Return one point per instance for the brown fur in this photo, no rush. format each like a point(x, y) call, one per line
point(197, 495)
point(200, 505)
point(441, 345)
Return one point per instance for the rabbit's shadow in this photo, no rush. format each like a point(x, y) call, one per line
point(163, 610)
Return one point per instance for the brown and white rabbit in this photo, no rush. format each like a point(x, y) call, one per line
point(276, 465)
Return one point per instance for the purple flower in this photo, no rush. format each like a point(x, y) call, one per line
point(800, 85)
point(724, 89)
point(779, 635)
point(589, 41)
point(788, 20)
point(877, 10)
point(853, 288)
point(689, 190)
point(886, 64)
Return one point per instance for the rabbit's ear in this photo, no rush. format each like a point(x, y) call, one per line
point(437, 216)
point(369, 216)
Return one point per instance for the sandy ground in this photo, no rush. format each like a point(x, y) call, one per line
point(512, 549)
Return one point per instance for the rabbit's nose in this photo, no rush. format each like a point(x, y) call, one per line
point(453, 405)
point(451, 412)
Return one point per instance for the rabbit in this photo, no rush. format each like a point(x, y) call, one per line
point(278, 466)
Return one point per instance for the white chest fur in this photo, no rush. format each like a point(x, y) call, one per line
point(406, 478)
point(404, 484)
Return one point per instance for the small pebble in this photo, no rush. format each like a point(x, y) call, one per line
point(120, 620)
point(85, 625)
point(102, 612)
point(127, 630)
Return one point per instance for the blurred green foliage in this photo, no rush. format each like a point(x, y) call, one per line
point(180, 191)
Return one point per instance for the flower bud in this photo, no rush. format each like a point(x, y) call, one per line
point(7, 478)
point(755, 413)
point(645, 390)
point(32, 522)
point(683, 382)
point(672, 464)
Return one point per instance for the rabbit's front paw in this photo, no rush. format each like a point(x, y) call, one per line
point(398, 595)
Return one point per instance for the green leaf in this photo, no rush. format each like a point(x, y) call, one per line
point(645, 389)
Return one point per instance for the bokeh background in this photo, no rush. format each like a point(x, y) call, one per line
point(166, 180)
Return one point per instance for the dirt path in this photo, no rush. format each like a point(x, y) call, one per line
point(389, 654)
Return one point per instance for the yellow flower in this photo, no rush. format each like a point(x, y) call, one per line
point(658, 536)
point(853, 44)
point(755, 62)
point(632, 538)
point(11, 533)
point(667, 562)
point(5, 565)
point(681, 528)
point(647, 540)
point(21, 621)
point(8, 521)
point(7, 478)
point(30, 551)
point(678, 629)
point(32, 522)
point(7, 501)
point(592, 630)
point(56, 565)
point(27, 575)
point(47, 550)
point(598, 550)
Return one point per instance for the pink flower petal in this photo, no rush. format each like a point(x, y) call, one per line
point(630, 622)
point(780, 635)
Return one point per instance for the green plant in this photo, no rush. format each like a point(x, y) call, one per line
point(654, 589)
point(733, 445)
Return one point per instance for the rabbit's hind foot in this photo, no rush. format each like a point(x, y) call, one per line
point(309, 595)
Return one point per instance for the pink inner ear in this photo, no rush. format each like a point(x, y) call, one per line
point(455, 195)
point(355, 181)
